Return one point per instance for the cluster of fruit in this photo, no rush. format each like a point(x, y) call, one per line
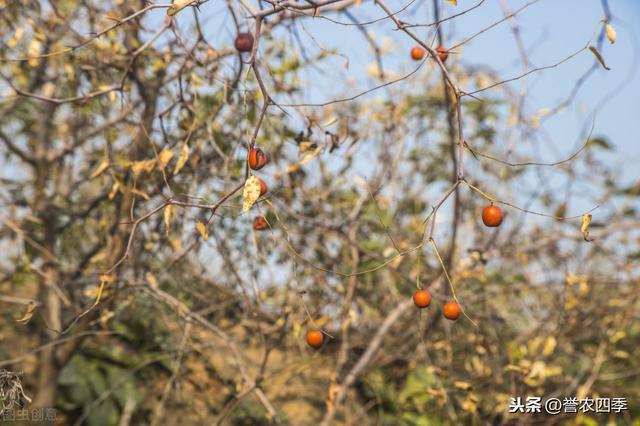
point(257, 159)
point(451, 309)
point(491, 217)
point(417, 53)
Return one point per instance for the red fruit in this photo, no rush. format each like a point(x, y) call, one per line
point(443, 53)
point(417, 53)
point(244, 42)
point(263, 187)
point(492, 216)
point(451, 310)
point(256, 158)
point(315, 338)
point(421, 298)
point(260, 223)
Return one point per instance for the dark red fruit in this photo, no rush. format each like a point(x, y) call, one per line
point(260, 223)
point(443, 53)
point(263, 187)
point(244, 42)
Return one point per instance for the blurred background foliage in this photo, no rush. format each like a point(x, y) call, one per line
point(194, 330)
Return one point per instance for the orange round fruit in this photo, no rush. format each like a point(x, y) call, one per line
point(256, 158)
point(492, 216)
point(421, 298)
point(260, 223)
point(417, 53)
point(451, 310)
point(443, 53)
point(315, 338)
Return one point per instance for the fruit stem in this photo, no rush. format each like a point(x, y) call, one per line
point(446, 274)
point(488, 197)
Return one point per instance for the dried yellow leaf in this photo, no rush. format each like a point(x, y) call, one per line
point(549, 346)
point(586, 221)
point(98, 257)
point(251, 193)
point(516, 368)
point(102, 166)
point(34, 50)
point(182, 158)
point(138, 167)
point(27, 316)
point(202, 230)
point(140, 193)
point(453, 2)
point(611, 33)
point(176, 244)
point(310, 156)
point(164, 157)
point(304, 146)
point(462, 385)
point(114, 190)
point(151, 280)
point(169, 212)
point(291, 168)
point(330, 122)
point(107, 278)
point(178, 5)
point(16, 37)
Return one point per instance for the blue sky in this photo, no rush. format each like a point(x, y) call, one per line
point(550, 29)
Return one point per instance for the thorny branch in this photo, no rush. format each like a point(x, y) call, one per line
point(302, 10)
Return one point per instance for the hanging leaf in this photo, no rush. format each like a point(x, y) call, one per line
point(202, 230)
point(549, 346)
point(169, 212)
point(151, 280)
point(138, 167)
point(178, 5)
point(310, 156)
point(35, 47)
point(104, 165)
point(114, 189)
point(140, 193)
point(182, 158)
point(250, 193)
point(599, 57)
point(305, 146)
point(586, 220)
point(462, 385)
point(27, 316)
point(330, 122)
point(164, 157)
point(16, 37)
point(107, 278)
point(104, 280)
point(611, 33)
point(453, 2)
